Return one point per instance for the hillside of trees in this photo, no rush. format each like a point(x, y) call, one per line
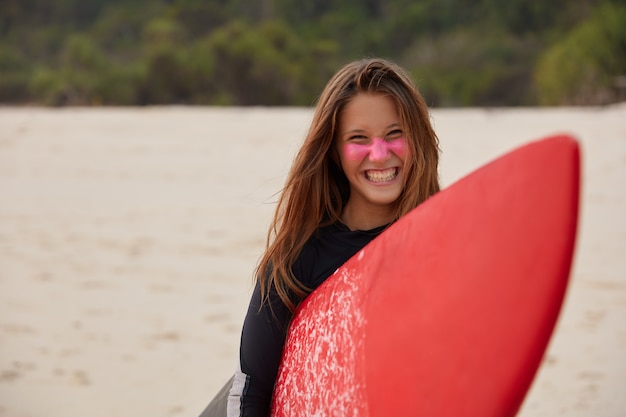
point(281, 52)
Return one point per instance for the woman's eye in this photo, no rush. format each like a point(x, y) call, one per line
point(395, 134)
point(358, 138)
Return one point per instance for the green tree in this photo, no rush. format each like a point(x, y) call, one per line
point(470, 67)
point(77, 80)
point(266, 64)
point(583, 67)
point(84, 76)
point(163, 76)
point(14, 75)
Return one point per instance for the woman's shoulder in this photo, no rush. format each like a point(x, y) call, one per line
point(327, 249)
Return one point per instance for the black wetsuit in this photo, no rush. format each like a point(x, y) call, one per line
point(265, 328)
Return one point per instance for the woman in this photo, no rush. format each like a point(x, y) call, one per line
point(370, 156)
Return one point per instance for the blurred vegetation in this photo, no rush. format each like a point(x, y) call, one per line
point(282, 52)
point(583, 67)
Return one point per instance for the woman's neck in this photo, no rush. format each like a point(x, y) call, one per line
point(366, 219)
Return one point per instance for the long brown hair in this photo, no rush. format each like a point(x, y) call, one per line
point(316, 188)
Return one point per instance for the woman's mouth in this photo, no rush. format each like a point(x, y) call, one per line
point(381, 175)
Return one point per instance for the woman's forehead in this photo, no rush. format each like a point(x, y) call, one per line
point(367, 112)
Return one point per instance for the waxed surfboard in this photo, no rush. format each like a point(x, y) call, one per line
point(450, 310)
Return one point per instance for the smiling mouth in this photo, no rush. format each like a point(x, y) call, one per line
point(381, 175)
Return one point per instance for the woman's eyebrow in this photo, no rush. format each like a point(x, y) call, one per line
point(353, 131)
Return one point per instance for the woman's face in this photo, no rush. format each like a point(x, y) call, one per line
point(373, 151)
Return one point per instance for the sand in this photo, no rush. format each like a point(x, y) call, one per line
point(128, 238)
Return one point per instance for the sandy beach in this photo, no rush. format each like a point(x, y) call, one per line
point(128, 238)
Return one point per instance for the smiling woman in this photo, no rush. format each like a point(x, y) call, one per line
point(370, 157)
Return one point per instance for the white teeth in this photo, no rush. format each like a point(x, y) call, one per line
point(381, 176)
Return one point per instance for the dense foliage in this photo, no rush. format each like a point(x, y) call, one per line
point(281, 52)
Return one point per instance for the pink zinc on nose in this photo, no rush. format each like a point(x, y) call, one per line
point(379, 149)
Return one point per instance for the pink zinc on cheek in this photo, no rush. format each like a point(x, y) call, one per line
point(377, 149)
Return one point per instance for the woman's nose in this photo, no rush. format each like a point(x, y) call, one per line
point(379, 150)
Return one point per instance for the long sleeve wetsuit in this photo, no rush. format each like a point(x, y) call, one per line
point(265, 327)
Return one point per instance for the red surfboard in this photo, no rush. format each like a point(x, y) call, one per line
point(450, 310)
